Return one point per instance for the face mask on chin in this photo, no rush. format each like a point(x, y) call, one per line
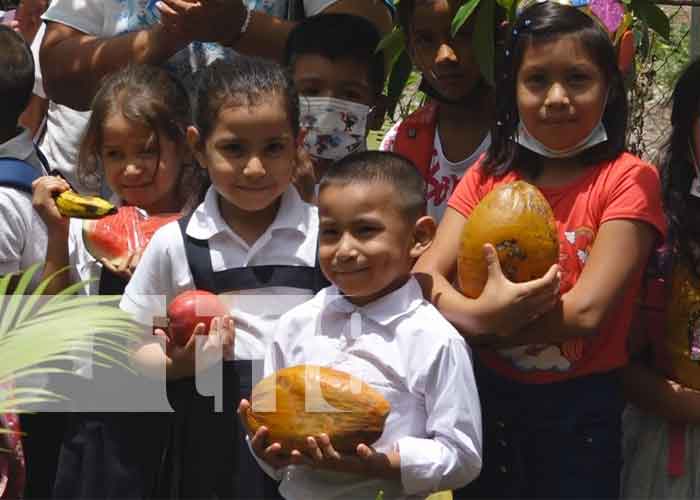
point(597, 136)
point(332, 128)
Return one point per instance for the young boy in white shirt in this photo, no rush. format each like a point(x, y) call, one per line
point(374, 324)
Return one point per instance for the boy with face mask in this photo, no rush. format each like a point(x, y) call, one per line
point(339, 77)
point(449, 133)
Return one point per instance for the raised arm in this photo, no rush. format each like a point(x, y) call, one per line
point(74, 62)
point(265, 35)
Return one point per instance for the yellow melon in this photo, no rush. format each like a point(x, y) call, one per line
point(517, 220)
point(306, 400)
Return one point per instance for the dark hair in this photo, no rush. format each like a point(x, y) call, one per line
point(245, 81)
point(148, 96)
point(677, 172)
point(16, 76)
point(544, 22)
point(382, 166)
point(338, 36)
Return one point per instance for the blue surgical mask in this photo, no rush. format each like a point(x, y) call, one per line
point(597, 136)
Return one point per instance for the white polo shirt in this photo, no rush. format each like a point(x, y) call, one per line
point(22, 232)
point(163, 271)
point(404, 348)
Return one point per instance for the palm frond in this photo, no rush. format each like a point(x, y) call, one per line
point(38, 331)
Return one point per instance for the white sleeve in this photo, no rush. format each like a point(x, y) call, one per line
point(14, 230)
point(390, 138)
point(313, 7)
point(151, 285)
point(452, 458)
point(87, 16)
point(38, 78)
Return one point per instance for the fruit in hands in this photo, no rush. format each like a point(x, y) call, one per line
point(307, 400)
point(189, 309)
point(518, 221)
point(116, 237)
point(72, 204)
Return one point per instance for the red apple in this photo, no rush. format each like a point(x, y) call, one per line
point(189, 309)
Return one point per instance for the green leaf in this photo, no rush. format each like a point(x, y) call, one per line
point(653, 16)
point(397, 80)
point(11, 307)
point(463, 14)
point(392, 41)
point(485, 40)
point(37, 294)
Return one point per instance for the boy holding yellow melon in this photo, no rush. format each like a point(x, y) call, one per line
point(374, 324)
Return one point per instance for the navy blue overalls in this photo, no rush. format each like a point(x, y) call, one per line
point(208, 456)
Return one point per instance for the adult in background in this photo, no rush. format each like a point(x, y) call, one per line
point(101, 36)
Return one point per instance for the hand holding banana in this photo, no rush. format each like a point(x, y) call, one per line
point(72, 204)
point(54, 200)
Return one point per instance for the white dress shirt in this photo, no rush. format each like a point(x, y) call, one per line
point(163, 271)
point(404, 348)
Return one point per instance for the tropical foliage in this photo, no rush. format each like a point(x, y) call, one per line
point(615, 16)
point(37, 331)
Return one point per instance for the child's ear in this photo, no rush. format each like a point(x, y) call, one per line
point(423, 235)
point(375, 119)
point(194, 139)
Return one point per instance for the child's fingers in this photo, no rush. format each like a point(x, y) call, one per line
point(298, 458)
point(364, 452)
point(492, 262)
point(326, 446)
point(191, 344)
point(313, 449)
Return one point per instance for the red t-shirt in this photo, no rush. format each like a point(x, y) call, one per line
point(626, 188)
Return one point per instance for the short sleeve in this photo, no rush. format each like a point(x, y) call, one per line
point(38, 78)
point(635, 194)
point(155, 279)
point(83, 15)
point(468, 192)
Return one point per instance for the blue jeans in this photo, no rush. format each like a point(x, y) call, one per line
point(557, 440)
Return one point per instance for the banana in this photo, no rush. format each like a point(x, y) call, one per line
point(72, 204)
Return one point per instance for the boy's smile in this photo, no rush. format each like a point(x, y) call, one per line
point(365, 242)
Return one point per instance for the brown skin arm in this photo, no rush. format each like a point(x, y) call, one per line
point(73, 62)
point(503, 306)
point(266, 35)
point(621, 248)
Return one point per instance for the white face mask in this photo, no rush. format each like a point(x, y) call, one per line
point(332, 128)
point(597, 136)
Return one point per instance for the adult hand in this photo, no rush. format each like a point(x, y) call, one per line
point(203, 20)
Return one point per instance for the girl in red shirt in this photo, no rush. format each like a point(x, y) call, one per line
point(550, 389)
